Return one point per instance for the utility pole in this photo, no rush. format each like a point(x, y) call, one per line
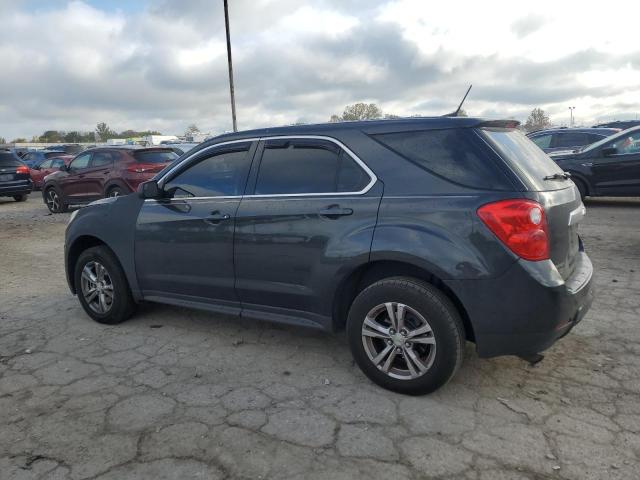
point(570, 110)
point(233, 96)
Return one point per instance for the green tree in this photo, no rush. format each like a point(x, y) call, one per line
point(537, 120)
point(73, 137)
point(19, 140)
point(51, 136)
point(103, 132)
point(3, 140)
point(358, 111)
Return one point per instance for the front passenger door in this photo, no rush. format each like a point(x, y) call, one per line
point(618, 173)
point(184, 241)
point(72, 184)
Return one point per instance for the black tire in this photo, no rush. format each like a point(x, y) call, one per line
point(115, 192)
point(582, 187)
point(54, 200)
point(441, 315)
point(20, 198)
point(122, 305)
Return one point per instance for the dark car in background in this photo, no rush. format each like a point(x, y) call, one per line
point(14, 177)
point(46, 167)
point(557, 139)
point(610, 167)
point(103, 172)
point(413, 234)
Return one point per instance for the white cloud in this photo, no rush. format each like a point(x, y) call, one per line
point(69, 65)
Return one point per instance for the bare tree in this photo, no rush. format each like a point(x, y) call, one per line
point(537, 120)
point(191, 129)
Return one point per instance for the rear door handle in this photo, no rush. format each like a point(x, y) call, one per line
point(216, 217)
point(335, 211)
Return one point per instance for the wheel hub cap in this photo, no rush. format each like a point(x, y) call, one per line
point(398, 340)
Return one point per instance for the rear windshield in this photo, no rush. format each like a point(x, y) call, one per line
point(156, 156)
point(457, 155)
point(7, 159)
point(525, 158)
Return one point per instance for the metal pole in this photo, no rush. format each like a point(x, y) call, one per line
point(571, 110)
point(233, 96)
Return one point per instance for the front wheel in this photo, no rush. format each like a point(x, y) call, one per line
point(54, 201)
point(102, 286)
point(406, 335)
point(20, 198)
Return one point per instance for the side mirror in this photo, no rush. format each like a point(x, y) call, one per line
point(149, 189)
point(607, 152)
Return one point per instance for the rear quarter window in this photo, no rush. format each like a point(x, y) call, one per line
point(457, 155)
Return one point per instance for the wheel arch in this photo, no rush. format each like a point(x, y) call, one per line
point(74, 251)
point(581, 178)
point(116, 183)
point(371, 272)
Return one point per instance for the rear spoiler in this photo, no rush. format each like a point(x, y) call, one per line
point(498, 124)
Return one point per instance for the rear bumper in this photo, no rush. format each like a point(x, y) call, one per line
point(529, 308)
point(9, 189)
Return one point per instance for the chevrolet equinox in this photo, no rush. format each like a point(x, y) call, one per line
point(414, 235)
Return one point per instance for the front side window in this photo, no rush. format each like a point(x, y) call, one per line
point(301, 166)
point(46, 164)
point(627, 144)
point(81, 161)
point(57, 163)
point(215, 174)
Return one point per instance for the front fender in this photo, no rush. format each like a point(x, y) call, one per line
point(110, 222)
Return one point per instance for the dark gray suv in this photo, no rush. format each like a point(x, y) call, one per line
point(415, 235)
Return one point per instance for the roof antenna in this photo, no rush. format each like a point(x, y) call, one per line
point(455, 114)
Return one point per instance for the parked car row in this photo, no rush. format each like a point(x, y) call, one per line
point(103, 172)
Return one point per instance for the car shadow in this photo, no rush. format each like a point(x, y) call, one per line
point(631, 202)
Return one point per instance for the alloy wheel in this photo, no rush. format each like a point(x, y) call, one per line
point(398, 340)
point(97, 287)
point(53, 200)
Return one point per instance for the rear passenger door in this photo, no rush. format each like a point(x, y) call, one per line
point(306, 222)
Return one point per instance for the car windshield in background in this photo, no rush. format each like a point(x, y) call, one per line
point(156, 156)
point(8, 159)
point(525, 157)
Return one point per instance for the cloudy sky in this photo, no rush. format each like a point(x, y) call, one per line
point(161, 64)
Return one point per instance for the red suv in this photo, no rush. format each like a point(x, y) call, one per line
point(103, 172)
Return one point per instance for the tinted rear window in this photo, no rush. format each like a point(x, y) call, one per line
point(156, 156)
point(525, 158)
point(453, 154)
point(7, 159)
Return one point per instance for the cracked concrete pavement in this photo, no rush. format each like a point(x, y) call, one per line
point(175, 393)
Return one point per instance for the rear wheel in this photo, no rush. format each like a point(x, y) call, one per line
point(406, 335)
point(20, 198)
point(102, 286)
point(54, 201)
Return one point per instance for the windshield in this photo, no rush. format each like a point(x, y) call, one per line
point(156, 156)
point(600, 143)
point(525, 158)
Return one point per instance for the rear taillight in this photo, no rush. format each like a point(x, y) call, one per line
point(520, 224)
point(22, 169)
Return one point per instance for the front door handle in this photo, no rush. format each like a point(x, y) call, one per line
point(216, 217)
point(335, 211)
